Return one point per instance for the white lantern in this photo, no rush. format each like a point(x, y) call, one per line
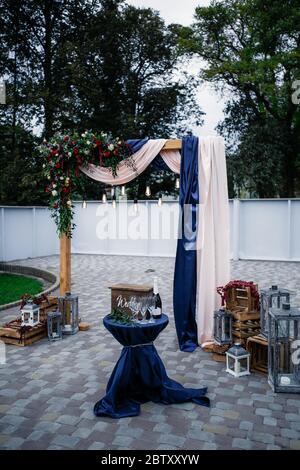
point(30, 314)
point(238, 361)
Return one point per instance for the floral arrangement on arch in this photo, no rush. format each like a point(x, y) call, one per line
point(63, 156)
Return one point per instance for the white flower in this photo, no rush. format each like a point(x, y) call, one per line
point(54, 193)
point(70, 154)
point(88, 142)
point(67, 180)
point(44, 166)
point(61, 178)
point(49, 177)
point(54, 186)
point(69, 202)
point(111, 147)
point(83, 135)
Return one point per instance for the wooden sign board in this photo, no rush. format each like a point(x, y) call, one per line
point(123, 294)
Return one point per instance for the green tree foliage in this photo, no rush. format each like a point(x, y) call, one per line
point(92, 64)
point(252, 48)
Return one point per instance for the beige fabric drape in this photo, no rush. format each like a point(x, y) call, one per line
point(213, 255)
point(142, 159)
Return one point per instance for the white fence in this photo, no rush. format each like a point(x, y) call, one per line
point(265, 229)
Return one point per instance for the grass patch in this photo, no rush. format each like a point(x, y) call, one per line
point(13, 286)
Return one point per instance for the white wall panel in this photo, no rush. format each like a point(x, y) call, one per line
point(260, 229)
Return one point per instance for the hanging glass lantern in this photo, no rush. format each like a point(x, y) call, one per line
point(135, 205)
point(104, 197)
point(160, 201)
point(271, 298)
point(283, 350)
point(68, 306)
point(30, 314)
point(113, 192)
point(54, 326)
point(237, 361)
point(123, 191)
point(114, 201)
point(222, 327)
point(84, 204)
point(148, 190)
point(177, 183)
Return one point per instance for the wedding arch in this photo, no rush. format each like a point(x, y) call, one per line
point(202, 263)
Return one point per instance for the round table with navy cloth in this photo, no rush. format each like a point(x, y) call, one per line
point(139, 375)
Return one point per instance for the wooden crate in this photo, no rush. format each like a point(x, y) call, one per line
point(47, 306)
point(13, 333)
point(258, 348)
point(240, 299)
point(123, 294)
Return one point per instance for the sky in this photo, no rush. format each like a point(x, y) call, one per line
point(182, 11)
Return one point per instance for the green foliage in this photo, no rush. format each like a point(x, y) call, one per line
point(13, 286)
point(118, 316)
point(252, 49)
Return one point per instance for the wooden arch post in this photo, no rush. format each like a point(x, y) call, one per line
point(65, 242)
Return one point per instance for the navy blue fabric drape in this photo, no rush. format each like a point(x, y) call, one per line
point(158, 163)
point(185, 276)
point(139, 375)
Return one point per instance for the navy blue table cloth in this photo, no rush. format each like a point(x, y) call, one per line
point(139, 375)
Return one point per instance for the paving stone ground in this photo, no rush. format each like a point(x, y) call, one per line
point(47, 391)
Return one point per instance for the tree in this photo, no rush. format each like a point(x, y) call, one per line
point(93, 64)
point(253, 49)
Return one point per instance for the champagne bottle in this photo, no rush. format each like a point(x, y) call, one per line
point(157, 312)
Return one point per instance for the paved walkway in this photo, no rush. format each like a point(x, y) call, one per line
point(47, 391)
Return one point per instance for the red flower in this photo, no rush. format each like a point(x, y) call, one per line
point(57, 165)
point(66, 190)
point(55, 205)
point(47, 190)
point(98, 142)
point(54, 151)
point(66, 138)
point(106, 154)
point(116, 152)
point(75, 151)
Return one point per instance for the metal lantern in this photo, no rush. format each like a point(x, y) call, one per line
point(222, 327)
point(283, 350)
point(30, 314)
point(68, 306)
point(237, 361)
point(271, 298)
point(54, 325)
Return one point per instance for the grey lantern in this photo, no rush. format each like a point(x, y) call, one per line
point(283, 350)
point(68, 306)
point(222, 327)
point(54, 325)
point(237, 361)
point(271, 298)
point(30, 314)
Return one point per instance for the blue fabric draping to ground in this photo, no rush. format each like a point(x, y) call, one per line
point(139, 375)
point(185, 276)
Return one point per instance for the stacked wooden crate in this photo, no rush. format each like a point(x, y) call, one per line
point(245, 312)
point(258, 348)
point(14, 333)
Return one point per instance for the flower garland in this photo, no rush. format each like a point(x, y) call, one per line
point(223, 291)
point(63, 155)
